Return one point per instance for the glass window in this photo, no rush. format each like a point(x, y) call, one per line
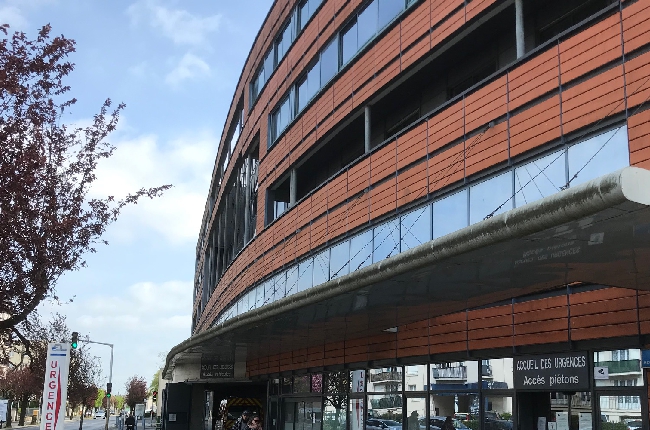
point(622, 365)
point(268, 66)
point(385, 409)
point(497, 373)
point(459, 375)
point(620, 412)
point(349, 43)
point(259, 296)
point(415, 228)
point(309, 86)
point(316, 383)
point(389, 9)
point(335, 413)
point(356, 414)
point(385, 240)
point(329, 62)
point(303, 14)
point(255, 87)
point(338, 382)
point(281, 117)
point(301, 384)
point(322, 267)
point(463, 408)
point(498, 408)
point(280, 282)
point(286, 386)
point(493, 195)
point(540, 178)
point(269, 291)
point(449, 214)
point(305, 274)
point(367, 24)
point(416, 412)
point(283, 42)
point(385, 380)
point(361, 250)
point(292, 280)
point(599, 155)
point(339, 260)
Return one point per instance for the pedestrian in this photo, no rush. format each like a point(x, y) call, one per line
point(255, 423)
point(242, 421)
point(130, 422)
point(448, 425)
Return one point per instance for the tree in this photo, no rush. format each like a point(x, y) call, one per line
point(136, 391)
point(155, 382)
point(99, 400)
point(19, 384)
point(47, 220)
point(87, 398)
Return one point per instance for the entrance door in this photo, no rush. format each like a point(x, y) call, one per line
point(302, 414)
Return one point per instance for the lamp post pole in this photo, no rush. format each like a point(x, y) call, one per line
point(110, 380)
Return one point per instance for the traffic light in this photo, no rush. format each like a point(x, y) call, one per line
point(75, 340)
point(154, 396)
point(109, 387)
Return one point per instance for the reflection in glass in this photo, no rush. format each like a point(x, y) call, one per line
point(305, 274)
point(623, 368)
point(349, 43)
point(286, 385)
point(329, 62)
point(601, 154)
point(387, 406)
point(448, 404)
point(292, 281)
point(415, 228)
point(334, 413)
point(337, 382)
point(301, 384)
point(498, 411)
point(356, 414)
point(540, 178)
point(490, 197)
point(280, 281)
point(321, 267)
point(339, 260)
point(497, 373)
point(620, 409)
point(386, 240)
point(416, 413)
point(389, 9)
point(456, 375)
point(361, 250)
point(385, 379)
point(268, 66)
point(269, 291)
point(316, 383)
point(449, 214)
point(367, 23)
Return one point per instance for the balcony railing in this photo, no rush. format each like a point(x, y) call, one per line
point(623, 366)
point(459, 372)
point(386, 376)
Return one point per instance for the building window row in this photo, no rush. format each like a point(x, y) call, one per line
point(363, 27)
point(283, 41)
point(532, 180)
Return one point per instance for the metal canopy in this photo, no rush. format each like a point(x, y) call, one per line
point(597, 232)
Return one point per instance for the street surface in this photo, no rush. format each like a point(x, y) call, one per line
point(89, 424)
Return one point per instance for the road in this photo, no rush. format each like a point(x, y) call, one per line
point(89, 424)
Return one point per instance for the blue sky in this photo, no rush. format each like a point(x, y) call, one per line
point(175, 64)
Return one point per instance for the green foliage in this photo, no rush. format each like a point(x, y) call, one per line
point(473, 424)
point(613, 426)
point(99, 402)
point(506, 416)
point(155, 381)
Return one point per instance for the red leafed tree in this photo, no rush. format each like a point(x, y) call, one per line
point(47, 220)
point(136, 391)
point(20, 384)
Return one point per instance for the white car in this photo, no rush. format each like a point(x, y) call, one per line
point(99, 414)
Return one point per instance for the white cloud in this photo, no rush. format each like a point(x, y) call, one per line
point(190, 67)
point(141, 320)
point(147, 161)
point(182, 27)
point(13, 16)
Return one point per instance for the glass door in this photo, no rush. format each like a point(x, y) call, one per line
point(620, 410)
point(302, 414)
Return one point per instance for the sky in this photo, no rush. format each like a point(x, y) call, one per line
point(175, 65)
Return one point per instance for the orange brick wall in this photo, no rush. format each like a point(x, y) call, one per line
point(436, 153)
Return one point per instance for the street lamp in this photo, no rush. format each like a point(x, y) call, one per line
point(109, 386)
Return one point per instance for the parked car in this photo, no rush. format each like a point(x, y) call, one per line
point(99, 414)
point(634, 425)
point(463, 416)
point(436, 423)
point(380, 424)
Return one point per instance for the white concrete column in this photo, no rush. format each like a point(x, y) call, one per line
point(247, 208)
point(293, 187)
point(367, 129)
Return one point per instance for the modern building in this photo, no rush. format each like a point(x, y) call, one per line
point(428, 208)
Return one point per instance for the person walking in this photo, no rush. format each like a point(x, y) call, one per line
point(242, 421)
point(255, 423)
point(448, 425)
point(129, 422)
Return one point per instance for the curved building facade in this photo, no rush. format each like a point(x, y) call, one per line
point(424, 209)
